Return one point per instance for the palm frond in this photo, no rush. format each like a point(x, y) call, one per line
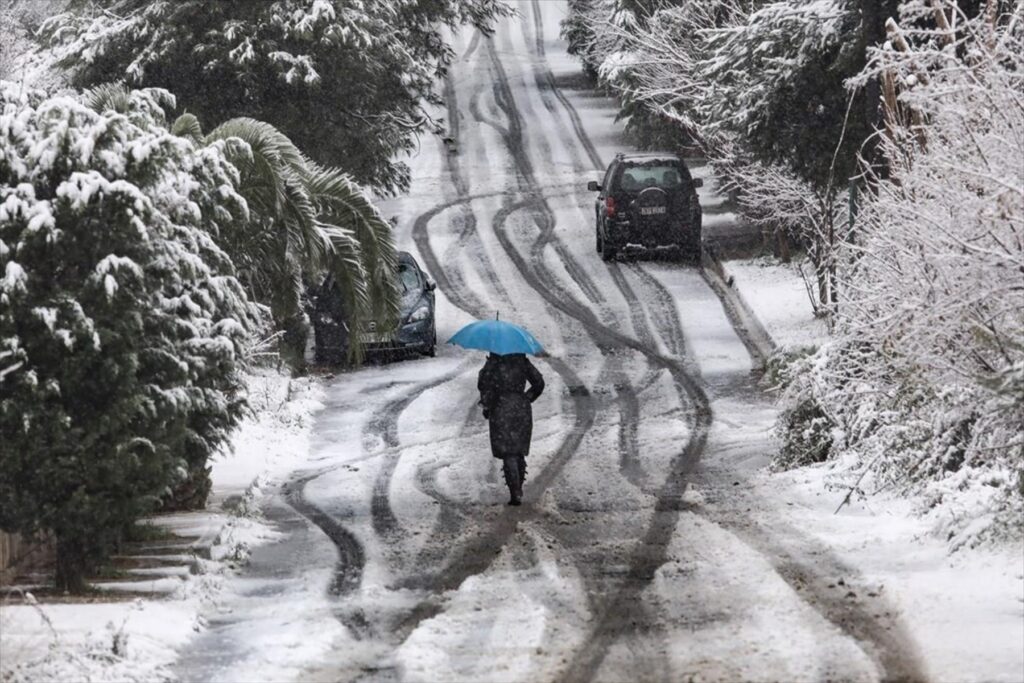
point(344, 203)
point(187, 126)
point(315, 221)
point(108, 97)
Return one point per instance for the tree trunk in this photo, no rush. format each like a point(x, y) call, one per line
point(191, 494)
point(783, 242)
point(72, 564)
point(292, 346)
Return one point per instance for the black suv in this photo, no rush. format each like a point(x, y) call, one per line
point(416, 330)
point(646, 204)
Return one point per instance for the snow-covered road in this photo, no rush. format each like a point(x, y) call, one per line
point(640, 554)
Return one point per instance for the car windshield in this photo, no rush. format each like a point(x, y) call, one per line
point(665, 176)
point(409, 277)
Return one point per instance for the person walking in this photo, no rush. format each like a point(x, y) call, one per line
point(507, 407)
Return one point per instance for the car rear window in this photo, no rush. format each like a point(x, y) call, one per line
point(665, 176)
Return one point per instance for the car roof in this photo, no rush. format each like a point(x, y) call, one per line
point(406, 257)
point(647, 156)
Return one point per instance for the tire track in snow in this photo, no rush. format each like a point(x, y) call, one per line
point(348, 572)
point(474, 43)
point(475, 555)
point(514, 143)
point(478, 555)
point(385, 424)
point(545, 77)
point(478, 113)
point(449, 518)
point(891, 650)
point(812, 570)
point(627, 397)
point(625, 610)
point(468, 236)
point(451, 514)
point(666, 315)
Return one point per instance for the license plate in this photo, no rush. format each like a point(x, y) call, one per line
point(651, 210)
point(374, 338)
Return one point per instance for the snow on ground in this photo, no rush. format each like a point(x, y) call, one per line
point(778, 295)
point(105, 641)
point(504, 611)
point(122, 639)
point(965, 611)
point(274, 442)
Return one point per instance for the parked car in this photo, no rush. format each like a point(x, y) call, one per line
point(646, 204)
point(416, 330)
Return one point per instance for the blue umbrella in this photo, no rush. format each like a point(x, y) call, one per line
point(496, 336)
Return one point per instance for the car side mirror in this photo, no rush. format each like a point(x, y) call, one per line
point(594, 186)
point(698, 182)
point(430, 286)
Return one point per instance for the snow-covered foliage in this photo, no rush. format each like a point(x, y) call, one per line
point(360, 70)
point(121, 322)
point(924, 384)
point(765, 76)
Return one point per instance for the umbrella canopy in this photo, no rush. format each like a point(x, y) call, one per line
point(496, 336)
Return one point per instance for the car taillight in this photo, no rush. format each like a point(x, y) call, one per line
point(609, 205)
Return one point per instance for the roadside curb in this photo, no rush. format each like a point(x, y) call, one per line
point(748, 326)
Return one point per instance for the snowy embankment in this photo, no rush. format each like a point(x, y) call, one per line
point(970, 601)
point(117, 638)
point(778, 295)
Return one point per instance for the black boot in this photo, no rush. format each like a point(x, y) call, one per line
point(521, 462)
point(510, 467)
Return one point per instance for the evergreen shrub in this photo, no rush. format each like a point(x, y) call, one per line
point(121, 323)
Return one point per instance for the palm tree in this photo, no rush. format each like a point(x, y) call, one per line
point(306, 222)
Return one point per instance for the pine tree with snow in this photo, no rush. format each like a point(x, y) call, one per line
point(344, 80)
point(121, 322)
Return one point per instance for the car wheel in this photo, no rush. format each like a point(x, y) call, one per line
point(432, 349)
point(597, 239)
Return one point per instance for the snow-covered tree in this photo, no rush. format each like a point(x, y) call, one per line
point(925, 380)
point(121, 321)
point(345, 80)
point(305, 222)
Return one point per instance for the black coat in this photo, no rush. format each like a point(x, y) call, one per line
point(506, 401)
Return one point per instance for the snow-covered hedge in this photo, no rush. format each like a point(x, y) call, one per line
point(121, 323)
point(924, 383)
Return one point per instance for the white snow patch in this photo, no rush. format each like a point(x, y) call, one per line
point(779, 297)
point(965, 612)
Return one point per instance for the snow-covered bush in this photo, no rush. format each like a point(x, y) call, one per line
point(925, 379)
point(121, 322)
point(345, 80)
